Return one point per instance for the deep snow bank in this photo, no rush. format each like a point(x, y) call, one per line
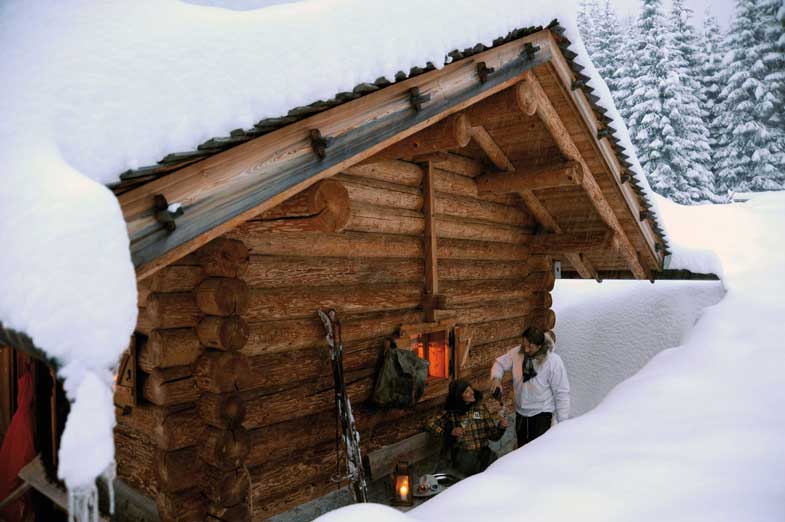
point(607, 332)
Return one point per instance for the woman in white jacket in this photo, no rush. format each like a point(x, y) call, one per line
point(539, 381)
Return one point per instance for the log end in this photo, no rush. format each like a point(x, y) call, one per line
point(525, 99)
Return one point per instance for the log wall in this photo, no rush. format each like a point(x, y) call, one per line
point(237, 372)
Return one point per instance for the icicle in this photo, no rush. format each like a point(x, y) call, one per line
point(83, 504)
point(108, 477)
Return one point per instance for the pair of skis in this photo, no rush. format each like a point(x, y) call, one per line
point(347, 432)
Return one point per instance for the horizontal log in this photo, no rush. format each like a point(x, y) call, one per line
point(535, 178)
point(270, 482)
point(544, 319)
point(463, 165)
point(392, 171)
point(383, 220)
point(176, 278)
point(345, 244)
point(284, 440)
point(162, 392)
point(449, 227)
point(225, 488)
point(275, 371)
point(293, 302)
point(221, 410)
point(482, 312)
point(381, 193)
point(223, 333)
point(481, 357)
point(225, 449)
point(168, 311)
point(464, 269)
point(453, 132)
point(480, 250)
point(167, 429)
point(304, 400)
point(460, 293)
point(221, 372)
point(541, 301)
point(223, 257)
point(541, 281)
point(177, 470)
point(492, 331)
point(473, 208)
point(276, 272)
point(601, 241)
point(267, 508)
point(222, 296)
point(167, 348)
point(283, 336)
point(184, 506)
point(452, 183)
point(135, 457)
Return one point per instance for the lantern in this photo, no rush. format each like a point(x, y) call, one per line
point(402, 485)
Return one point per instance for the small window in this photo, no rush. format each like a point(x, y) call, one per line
point(434, 348)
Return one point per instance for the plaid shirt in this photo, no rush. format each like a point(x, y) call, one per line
point(478, 425)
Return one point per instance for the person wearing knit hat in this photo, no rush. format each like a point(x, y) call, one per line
point(467, 426)
point(539, 381)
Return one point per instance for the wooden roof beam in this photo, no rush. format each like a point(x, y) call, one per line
point(544, 177)
point(491, 149)
point(548, 115)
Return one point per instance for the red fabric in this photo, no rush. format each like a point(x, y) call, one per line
point(17, 449)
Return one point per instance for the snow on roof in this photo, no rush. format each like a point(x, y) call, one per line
point(92, 89)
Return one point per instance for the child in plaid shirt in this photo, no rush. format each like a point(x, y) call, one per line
point(467, 426)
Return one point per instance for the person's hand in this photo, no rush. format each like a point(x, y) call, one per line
point(503, 423)
point(496, 384)
point(457, 432)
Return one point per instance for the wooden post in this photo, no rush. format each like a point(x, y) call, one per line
point(431, 258)
point(550, 176)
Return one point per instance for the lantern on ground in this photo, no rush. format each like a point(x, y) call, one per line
point(402, 485)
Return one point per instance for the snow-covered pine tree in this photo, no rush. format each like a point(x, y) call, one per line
point(588, 11)
point(773, 29)
point(608, 46)
point(710, 60)
point(662, 115)
point(694, 178)
point(751, 154)
point(627, 72)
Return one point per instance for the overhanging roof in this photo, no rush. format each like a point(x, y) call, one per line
point(234, 178)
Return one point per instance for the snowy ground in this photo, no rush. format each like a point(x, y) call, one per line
point(695, 435)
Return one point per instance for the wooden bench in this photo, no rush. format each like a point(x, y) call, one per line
point(381, 462)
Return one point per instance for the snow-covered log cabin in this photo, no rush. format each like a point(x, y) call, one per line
point(435, 208)
point(436, 203)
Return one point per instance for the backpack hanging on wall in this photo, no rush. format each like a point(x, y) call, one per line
point(401, 379)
